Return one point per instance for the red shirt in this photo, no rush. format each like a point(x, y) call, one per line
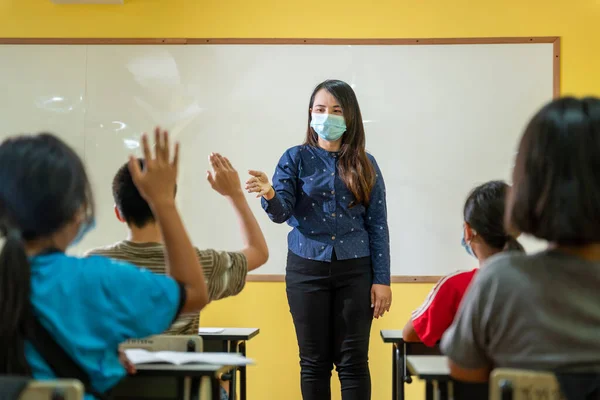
point(435, 315)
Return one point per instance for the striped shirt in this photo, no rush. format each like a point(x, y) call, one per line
point(225, 273)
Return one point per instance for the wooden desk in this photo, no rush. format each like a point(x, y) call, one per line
point(187, 371)
point(400, 350)
point(233, 340)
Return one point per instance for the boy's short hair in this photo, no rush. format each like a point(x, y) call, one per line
point(132, 206)
point(556, 179)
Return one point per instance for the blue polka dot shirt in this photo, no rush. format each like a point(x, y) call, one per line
point(311, 197)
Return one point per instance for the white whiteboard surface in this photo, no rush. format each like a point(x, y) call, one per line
point(439, 119)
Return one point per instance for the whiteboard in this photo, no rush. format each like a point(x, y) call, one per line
point(439, 119)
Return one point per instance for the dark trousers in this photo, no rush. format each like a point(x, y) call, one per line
point(330, 304)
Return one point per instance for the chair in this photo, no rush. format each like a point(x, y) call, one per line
point(517, 384)
point(67, 389)
point(23, 388)
point(137, 387)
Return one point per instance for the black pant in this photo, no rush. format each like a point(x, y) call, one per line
point(331, 308)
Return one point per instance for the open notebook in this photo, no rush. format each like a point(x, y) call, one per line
point(140, 356)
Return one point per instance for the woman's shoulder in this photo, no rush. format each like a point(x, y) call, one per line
point(293, 152)
point(296, 153)
point(372, 159)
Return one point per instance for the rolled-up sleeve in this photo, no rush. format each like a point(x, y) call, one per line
point(279, 208)
point(377, 228)
point(225, 272)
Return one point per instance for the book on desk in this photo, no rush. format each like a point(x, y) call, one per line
point(141, 356)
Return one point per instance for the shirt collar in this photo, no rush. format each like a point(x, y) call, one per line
point(325, 153)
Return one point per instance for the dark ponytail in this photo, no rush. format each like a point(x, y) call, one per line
point(15, 309)
point(484, 212)
point(43, 187)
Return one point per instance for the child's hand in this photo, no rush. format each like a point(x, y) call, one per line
point(128, 365)
point(156, 183)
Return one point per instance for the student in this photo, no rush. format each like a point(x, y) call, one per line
point(332, 193)
point(88, 306)
point(541, 311)
point(225, 272)
point(483, 236)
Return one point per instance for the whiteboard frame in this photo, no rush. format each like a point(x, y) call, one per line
point(554, 40)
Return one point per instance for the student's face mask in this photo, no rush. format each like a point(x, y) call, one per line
point(329, 127)
point(467, 247)
point(84, 228)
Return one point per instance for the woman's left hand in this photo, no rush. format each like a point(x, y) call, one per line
point(381, 299)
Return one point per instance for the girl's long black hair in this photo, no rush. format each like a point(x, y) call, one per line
point(43, 185)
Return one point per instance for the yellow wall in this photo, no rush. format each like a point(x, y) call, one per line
point(264, 304)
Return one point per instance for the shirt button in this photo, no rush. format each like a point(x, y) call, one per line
point(333, 238)
point(333, 192)
point(333, 215)
point(333, 174)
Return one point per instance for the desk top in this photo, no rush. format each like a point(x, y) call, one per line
point(235, 334)
point(428, 367)
point(191, 370)
point(391, 336)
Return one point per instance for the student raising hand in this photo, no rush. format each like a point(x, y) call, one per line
point(156, 183)
point(224, 179)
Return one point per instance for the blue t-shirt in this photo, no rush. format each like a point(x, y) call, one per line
point(91, 305)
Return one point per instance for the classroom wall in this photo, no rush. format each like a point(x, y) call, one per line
point(264, 304)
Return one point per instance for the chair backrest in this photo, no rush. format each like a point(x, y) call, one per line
point(188, 343)
point(524, 385)
point(66, 389)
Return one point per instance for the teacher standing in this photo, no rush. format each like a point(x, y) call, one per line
point(331, 192)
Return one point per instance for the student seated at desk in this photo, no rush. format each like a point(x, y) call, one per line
point(225, 272)
point(541, 311)
point(85, 306)
point(483, 236)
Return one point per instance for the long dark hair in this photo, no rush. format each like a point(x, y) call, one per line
point(356, 170)
point(556, 178)
point(484, 212)
point(43, 185)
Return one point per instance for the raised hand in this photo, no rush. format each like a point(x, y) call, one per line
point(224, 179)
point(156, 181)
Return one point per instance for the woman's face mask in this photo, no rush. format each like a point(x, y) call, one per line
point(329, 127)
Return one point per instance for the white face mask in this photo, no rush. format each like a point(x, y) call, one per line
point(329, 127)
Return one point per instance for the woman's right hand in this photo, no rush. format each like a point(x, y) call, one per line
point(259, 184)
